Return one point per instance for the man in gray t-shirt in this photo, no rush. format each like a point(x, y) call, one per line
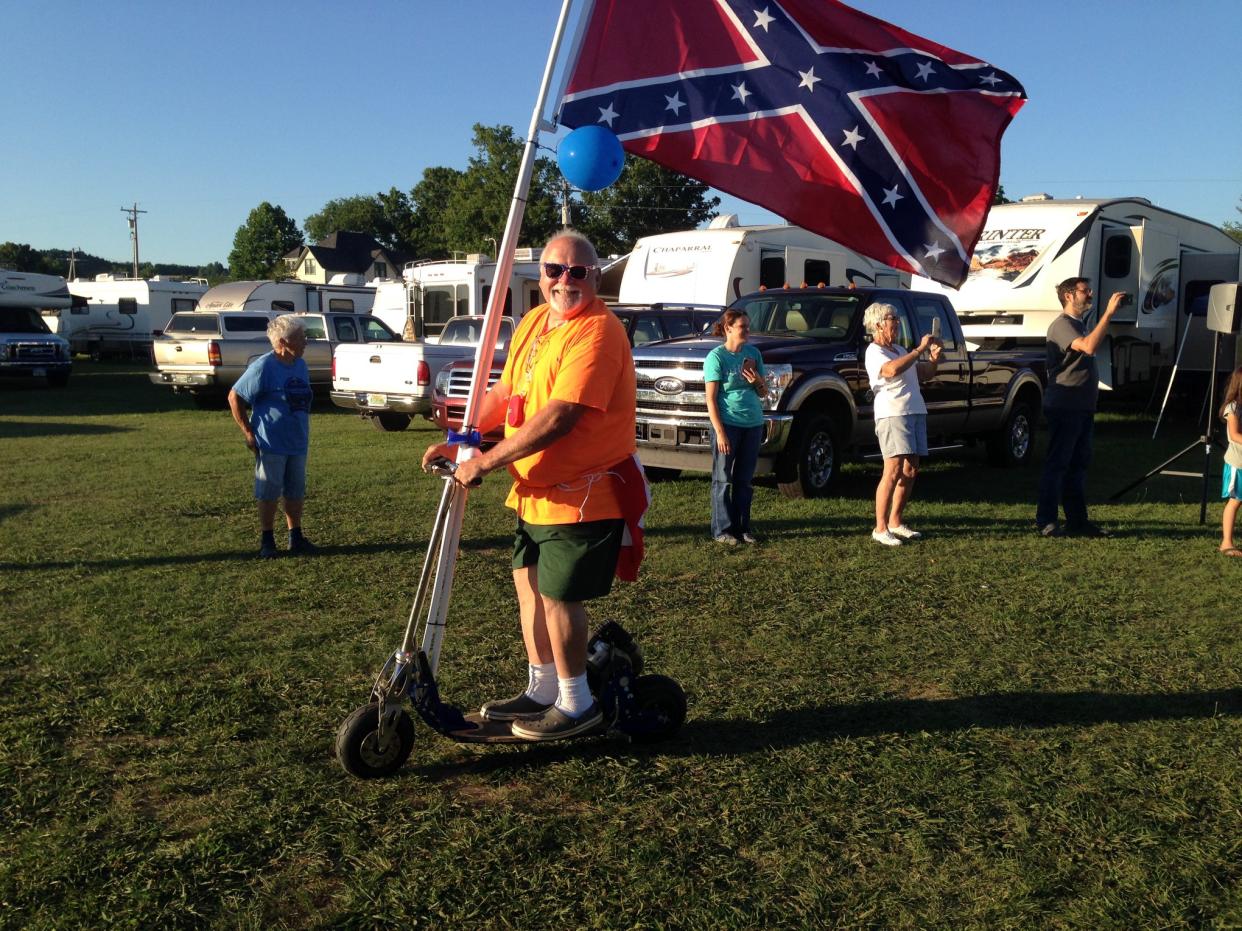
point(1069, 408)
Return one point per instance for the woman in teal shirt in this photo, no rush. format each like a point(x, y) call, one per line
point(733, 376)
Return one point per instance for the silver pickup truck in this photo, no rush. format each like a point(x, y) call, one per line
point(389, 384)
point(205, 352)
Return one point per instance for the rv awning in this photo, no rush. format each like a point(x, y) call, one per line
point(230, 296)
point(610, 278)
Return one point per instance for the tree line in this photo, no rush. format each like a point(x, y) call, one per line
point(454, 210)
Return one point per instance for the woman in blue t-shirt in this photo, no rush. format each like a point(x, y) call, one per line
point(733, 376)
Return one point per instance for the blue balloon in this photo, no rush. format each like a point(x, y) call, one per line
point(591, 157)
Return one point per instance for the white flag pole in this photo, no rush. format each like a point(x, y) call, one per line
point(437, 611)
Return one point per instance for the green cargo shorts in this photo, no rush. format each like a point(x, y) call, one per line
point(574, 562)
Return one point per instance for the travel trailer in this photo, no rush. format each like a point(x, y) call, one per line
point(719, 264)
point(119, 316)
point(346, 294)
point(439, 290)
point(1167, 262)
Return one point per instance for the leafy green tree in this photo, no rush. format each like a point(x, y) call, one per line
point(1231, 228)
point(214, 272)
point(429, 199)
point(478, 204)
point(388, 218)
point(20, 257)
point(1000, 197)
point(646, 199)
point(261, 242)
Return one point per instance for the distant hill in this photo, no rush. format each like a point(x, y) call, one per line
point(21, 257)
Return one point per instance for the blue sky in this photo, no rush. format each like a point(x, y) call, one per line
point(199, 112)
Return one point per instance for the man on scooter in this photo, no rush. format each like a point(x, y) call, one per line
point(567, 400)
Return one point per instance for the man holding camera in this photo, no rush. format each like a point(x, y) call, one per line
point(1069, 407)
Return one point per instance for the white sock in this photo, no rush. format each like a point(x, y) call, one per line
point(541, 682)
point(574, 695)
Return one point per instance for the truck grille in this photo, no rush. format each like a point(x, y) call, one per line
point(682, 384)
point(459, 381)
point(33, 352)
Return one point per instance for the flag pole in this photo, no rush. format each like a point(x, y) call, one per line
point(437, 611)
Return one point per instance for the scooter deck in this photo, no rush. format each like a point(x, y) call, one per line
point(487, 732)
point(500, 732)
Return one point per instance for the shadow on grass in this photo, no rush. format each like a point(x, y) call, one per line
point(800, 726)
point(242, 556)
point(12, 510)
point(17, 429)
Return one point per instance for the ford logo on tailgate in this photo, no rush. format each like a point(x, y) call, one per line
point(669, 385)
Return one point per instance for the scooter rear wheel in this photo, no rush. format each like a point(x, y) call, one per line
point(661, 706)
point(358, 745)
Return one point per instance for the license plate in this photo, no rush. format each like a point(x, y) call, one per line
point(181, 379)
point(40, 372)
point(377, 400)
point(662, 436)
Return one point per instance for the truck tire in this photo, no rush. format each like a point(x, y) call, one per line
point(390, 421)
point(1014, 443)
point(809, 466)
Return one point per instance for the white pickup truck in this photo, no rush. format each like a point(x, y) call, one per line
point(388, 383)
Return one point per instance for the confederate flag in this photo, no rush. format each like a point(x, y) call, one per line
point(837, 121)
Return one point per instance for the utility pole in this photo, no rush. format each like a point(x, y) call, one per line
point(133, 230)
point(73, 263)
point(566, 214)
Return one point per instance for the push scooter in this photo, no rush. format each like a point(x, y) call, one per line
point(378, 737)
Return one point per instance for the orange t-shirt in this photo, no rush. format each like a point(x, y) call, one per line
point(587, 361)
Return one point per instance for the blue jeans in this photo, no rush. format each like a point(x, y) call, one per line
point(1064, 479)
point(732, 490)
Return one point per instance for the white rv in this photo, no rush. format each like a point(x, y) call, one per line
point(119, 316)
point(719, 264)
point(1165, 260)
point(345, 294)
point(28, 348)
point(439, 290)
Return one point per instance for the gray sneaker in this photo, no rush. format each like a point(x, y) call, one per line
point(513, 709)
point(555, 724)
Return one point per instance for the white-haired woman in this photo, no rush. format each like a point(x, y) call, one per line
point(276, 387)
point(900, 417)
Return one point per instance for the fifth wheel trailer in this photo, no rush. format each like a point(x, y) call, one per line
point(1166, 260)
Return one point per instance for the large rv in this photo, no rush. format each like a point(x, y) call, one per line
point(346, 294)
point(120, 316)
point(719, 264)
point(1165, 260)
point(438, 290)
point(28, 348)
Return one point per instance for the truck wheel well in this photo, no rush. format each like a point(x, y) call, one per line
point(831, 404)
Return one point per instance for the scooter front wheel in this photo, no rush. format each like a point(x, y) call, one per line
point(660, 709)
point(362, 751)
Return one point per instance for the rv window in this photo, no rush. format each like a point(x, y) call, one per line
point(79, 308)
point(817, 272)
point(377, 332)
point(1117, 256)
point(183, 303)
point(284, 307)
point(193, 323)
point(927, 311)
point(487, 293)
point(437, 308)
point(772, 271)
point(243, 324)
point(127, 305)
point(346, 330)
point(463, 299)
point(344, 304)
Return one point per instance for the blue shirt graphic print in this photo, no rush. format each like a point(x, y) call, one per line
point(280, 396)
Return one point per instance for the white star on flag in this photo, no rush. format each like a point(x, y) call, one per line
point(891, 196)
point(675, 103)
point(933, 250)
point(808, 80)
point(990, 79)
point(740, 92)
point(873, 69)
point(762, 19)
point(925, 70)
point(852, 138)
point(607, 115)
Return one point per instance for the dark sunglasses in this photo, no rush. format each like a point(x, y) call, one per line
point(554, 270)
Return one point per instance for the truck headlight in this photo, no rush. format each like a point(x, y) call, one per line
point(778, 378)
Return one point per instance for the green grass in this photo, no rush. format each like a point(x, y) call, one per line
point(986, 729)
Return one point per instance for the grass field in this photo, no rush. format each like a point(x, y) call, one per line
point(983, 730)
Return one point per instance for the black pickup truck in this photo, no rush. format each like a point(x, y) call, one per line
point(819, 404)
